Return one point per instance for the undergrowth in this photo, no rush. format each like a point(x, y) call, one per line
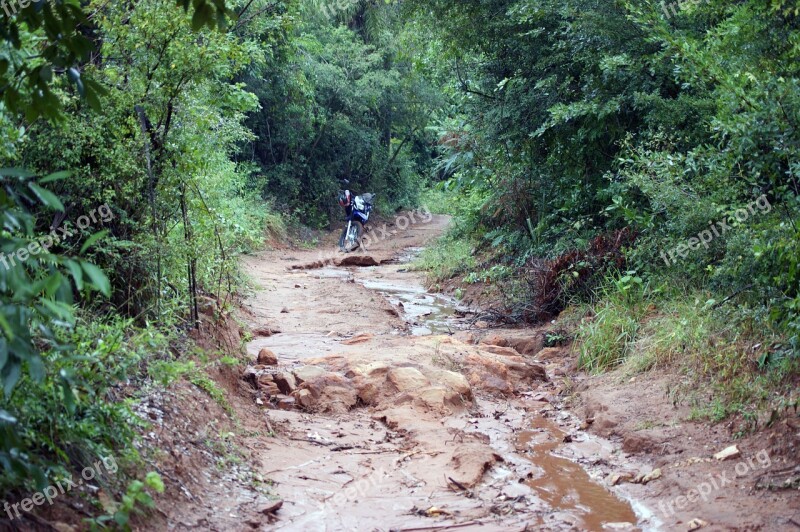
point(733, 362)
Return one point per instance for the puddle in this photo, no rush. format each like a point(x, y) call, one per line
point(426, 313)
point(565, 485)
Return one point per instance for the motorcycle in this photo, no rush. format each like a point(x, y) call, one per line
point(357, 210)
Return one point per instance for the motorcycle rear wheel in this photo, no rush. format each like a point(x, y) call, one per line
point(352, 240)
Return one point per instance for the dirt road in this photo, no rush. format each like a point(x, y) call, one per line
point(386, 415)
point(371, 404)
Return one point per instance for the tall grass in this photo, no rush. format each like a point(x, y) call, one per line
point(730, 361)
point(447, 258)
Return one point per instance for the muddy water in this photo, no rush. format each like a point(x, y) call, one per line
point(565, 485)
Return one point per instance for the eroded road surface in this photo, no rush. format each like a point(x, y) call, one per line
point(389, 410)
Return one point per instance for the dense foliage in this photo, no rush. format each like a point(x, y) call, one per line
point(572, 120)
point(173, 137)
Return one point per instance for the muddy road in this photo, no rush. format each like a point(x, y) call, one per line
point(389, 410)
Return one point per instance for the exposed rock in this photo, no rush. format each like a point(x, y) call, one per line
point(638, 443)
point(502, 351)
point(550, 353)
point(728, 453)
point(286, 382)
point(406, 379)
point(271, 389)
point(366, 390)
point(373, 370)
point(266, 380)
point(655, 474)
point(435, 397)
point(250, 376)
point(527, 346)
point(304, 398)
point(267, 358)
point(307, 373)
point(358, 260)
point(618, 478)
point(696, 524)
point(359, 339)
point(494, 339)
point(464, 336)
point(286, 403)
point(272, 508)
point(453, 381)
point(470, 461)
point(329, 392)
point(265, 332)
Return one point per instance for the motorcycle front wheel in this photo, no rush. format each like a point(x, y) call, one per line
point(350, 240)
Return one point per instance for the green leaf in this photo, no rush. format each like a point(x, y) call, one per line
point(46, 197)
point(98, 278)
point(55, 176)
point(15, 172)
point(92, 239)
point(77, 274)
point(11, 378)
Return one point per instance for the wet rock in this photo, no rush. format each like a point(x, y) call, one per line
point(307, 373)
point(271, 389)
point(465, 337)
point(696, 524)
point(435, 397)
point(638, 443)
point(550, 353)
point(452, 380)
point(250, 376)
point(655, 474)
point(286, 382)
point(495, 340)
point(286, 403)
point(527, 346)
point(406, 379)
point(515, 490)
point(618, 478)
point(272, 508)
point(329, 392)
point(358, 260)
point(267, 358)
point(729, 453)
point(498, 350)
point(265, 332)
point(372, 370)
point(304, 398)
point(470, 461)
point(359, 339)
